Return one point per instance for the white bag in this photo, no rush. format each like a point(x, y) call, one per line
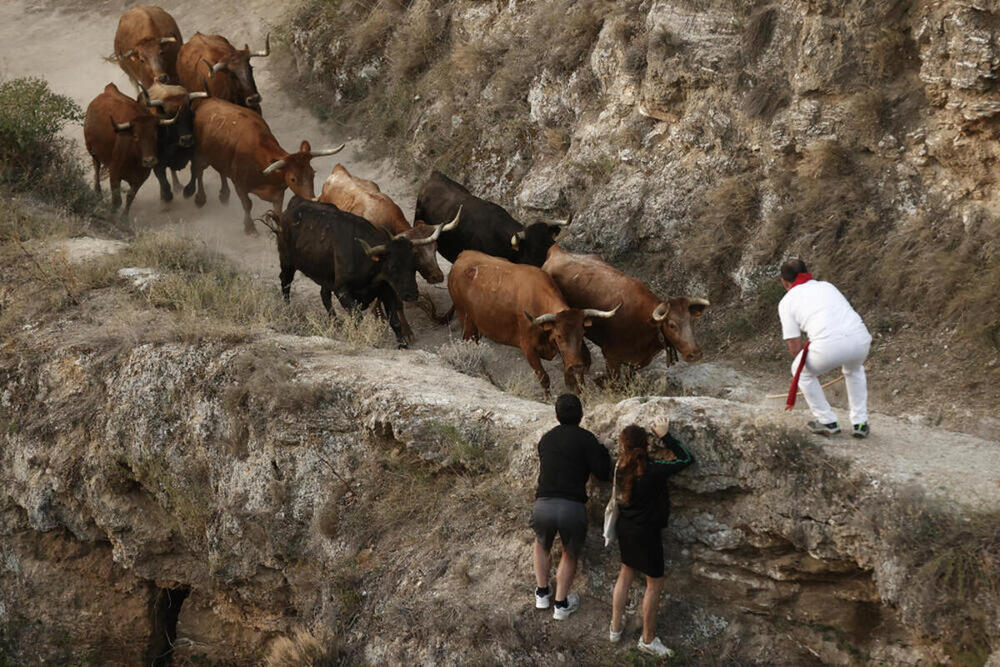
point(611, 511)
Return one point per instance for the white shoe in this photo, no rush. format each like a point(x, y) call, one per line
point(656, 648)
point(615, 637)
point(543, 601)
point(572, 604)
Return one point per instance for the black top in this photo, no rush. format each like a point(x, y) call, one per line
point(568, 456)
point(650, 501)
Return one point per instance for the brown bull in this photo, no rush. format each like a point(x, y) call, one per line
point(120, 134)
point(146, 45)
point(364, 198)
point(238, 144)
point(644, 326)
point(210, 60)
point(520, 305)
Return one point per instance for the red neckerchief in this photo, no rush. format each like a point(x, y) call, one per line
point(794, 389)
point(801, 279)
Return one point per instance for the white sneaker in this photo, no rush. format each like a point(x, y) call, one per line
point(572, 604)
point(615, 637)
point(656, 648)
point(543, 601)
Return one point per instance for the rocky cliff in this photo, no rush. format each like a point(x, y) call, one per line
point(220, 497)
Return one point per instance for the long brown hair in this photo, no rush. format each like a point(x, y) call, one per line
point(632, 457)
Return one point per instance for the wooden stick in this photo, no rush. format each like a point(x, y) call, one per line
point(825, 385)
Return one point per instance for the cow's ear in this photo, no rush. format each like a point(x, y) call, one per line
point(304, 147)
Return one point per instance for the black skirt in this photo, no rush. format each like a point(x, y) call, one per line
point(641, 547)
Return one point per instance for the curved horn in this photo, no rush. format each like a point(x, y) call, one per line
point(267, 49)
point(699, 302)
point(197, 95)
point(170, 121)
point(541, 319)
point(218, 67)
point(440, 228)
point(563, 223)
point(154, 103)
point(120, 127)
point(327, 151)
point(602, 314)
point(515, 239)
point(168, 40)
point(370, 251)
point(274, 166)
point(660, 312)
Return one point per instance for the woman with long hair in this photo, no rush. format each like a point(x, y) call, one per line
point(644, 508)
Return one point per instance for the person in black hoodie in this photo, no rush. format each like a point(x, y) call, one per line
point(643, 511)
point(568, 455)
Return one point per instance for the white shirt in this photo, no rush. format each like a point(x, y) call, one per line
point(818, 309)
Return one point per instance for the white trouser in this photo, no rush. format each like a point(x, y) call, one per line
point(849, 353)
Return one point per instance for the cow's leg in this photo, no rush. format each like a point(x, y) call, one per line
point(469, 329)
point(244, 198)
point(407, 329)
point(97, 173)
point(324, 294)
point(536, 365)
point(175, 180)
point(224, 189)
point(198, 174)
point(115, 183)
point(161, 176)
point(133, 190)
point(192, 184)
point(286, 276)
point(394, 310)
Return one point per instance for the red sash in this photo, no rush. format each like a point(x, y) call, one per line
point(794, 389)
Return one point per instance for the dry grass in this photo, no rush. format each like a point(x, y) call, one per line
point(301, 649)
point(469, 357)
point(766, 98)
point(759, 32)
point(726, 220)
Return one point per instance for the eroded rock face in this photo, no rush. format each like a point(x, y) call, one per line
point(241, 492)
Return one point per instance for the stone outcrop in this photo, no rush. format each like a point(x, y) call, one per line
point(226, 494)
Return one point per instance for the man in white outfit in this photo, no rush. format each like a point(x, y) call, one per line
point(837, 337)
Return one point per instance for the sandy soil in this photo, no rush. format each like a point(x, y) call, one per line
point(74, 65)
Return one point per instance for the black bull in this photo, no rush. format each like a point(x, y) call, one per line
point(485, 227)
point(345, 255)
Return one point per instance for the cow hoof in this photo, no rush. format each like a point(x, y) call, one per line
point(250, 230)
point(224, 197)
point(402, 345)
point(189, 191)
point(200, 200)
point(167, 195)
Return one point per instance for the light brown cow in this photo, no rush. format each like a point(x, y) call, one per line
point(364, 198)
point(238, 144)
point(643, 328)
point(146, 45)
point(212, 61)
point(520, 305)
point(120, 134)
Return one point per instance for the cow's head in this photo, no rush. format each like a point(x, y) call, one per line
point(532, 244)
point(563, 332)
point(400, 258)
point(236, 65)
point(673, 319)
point(149, 55)
point(296, 170)
point(139, 135)
point(427, 262)
point(170, 102)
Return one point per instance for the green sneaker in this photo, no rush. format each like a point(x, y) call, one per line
point(860, 430)
point(824, 429)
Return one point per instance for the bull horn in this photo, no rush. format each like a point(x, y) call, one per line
point(541, 319)
point(563, 223)
point(274, 166)
point(218, 67)
point(326, 151)
point(601, 314)
point(699, 302)
point(660, 312)
point(377, 251)
point(154, 103)
point(515, 239)
point(170, 121)
point(267, 49)
point(120, 127)
point(440, 228)
point(197, 95)
point(168, 40)
point(143, 91)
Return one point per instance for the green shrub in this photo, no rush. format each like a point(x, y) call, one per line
point(34, 158)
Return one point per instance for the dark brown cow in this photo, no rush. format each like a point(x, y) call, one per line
point(120, 134)
point(520, 305)
point(643, 328)
point(146, 45)
point(363, 197)
point(175, 144)
point(210, 60)
point(238, 144)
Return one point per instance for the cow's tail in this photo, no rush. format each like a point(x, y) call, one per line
point(271, 220)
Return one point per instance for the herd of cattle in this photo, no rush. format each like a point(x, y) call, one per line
point(198, 104)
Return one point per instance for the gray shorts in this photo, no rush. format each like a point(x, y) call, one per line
point(559, 515)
